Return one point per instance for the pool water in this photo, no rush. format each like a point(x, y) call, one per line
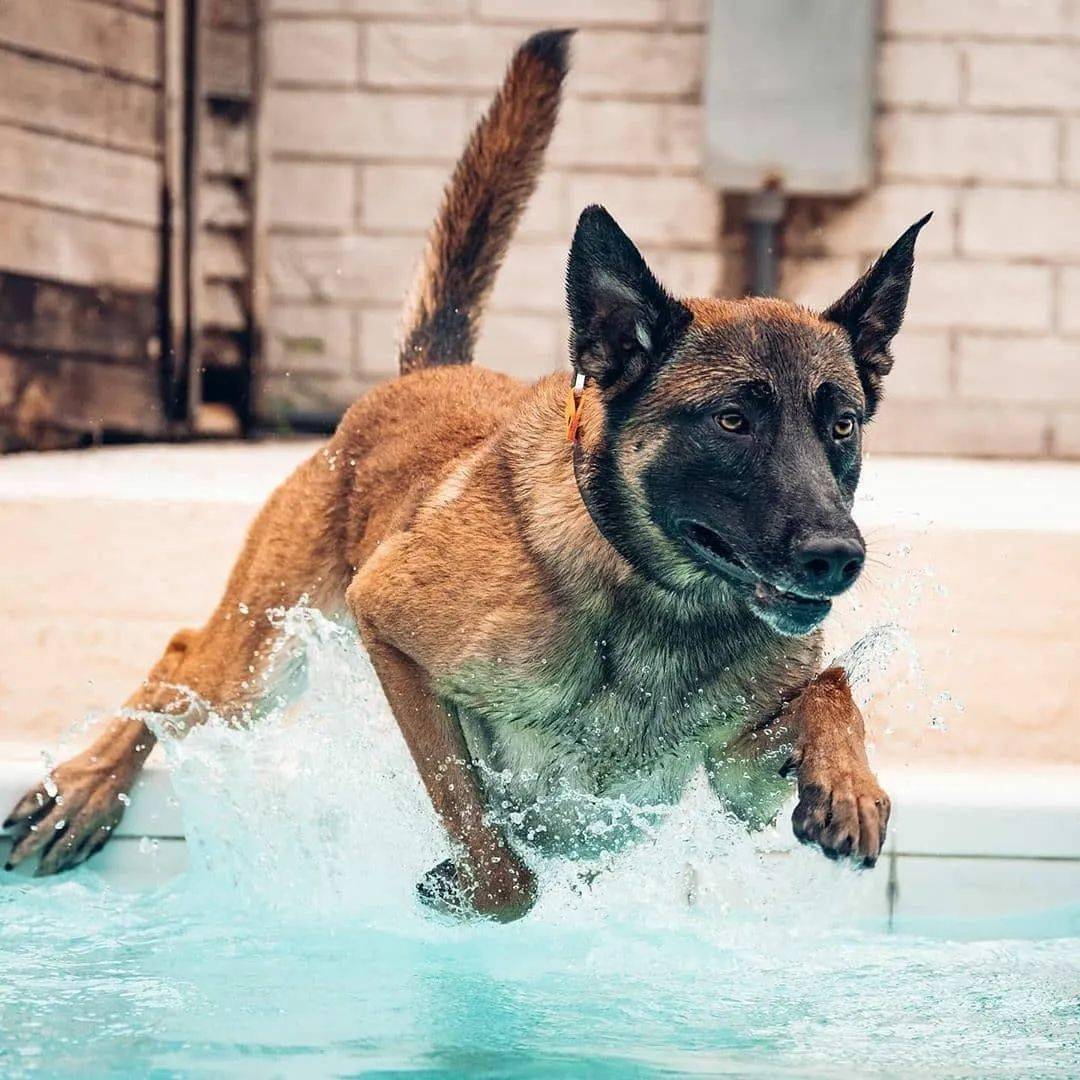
point(294, 945)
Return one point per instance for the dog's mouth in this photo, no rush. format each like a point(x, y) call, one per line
point(787, 612)
point(717, 552)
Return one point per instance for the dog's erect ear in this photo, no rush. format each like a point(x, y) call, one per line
point(872, 310)
point(621, 318)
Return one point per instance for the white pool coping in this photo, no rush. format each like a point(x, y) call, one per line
point(950, 493)
point(234, 472)
point(986, 813)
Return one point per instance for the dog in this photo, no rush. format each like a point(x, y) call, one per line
point(573, 593)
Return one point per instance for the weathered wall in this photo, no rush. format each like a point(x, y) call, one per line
point(80, 190)
point(979, 120)
point(370, 105)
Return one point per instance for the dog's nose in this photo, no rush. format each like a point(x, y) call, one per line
point(828, 565)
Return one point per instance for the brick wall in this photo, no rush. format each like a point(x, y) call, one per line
point(371, 100)
point(370, 104)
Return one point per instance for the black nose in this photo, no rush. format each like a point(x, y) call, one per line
point(828, 565)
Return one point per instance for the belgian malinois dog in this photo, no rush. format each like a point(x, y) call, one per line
point(586, 588)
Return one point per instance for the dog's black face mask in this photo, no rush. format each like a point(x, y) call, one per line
point(733, 430)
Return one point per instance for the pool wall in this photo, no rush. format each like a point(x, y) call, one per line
point(962, 845)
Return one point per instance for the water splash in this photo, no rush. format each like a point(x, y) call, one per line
point(885, 661)
point(868, 659)
point(317, 806)
point(296, 946)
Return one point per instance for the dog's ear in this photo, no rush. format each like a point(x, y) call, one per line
point(872, 310)
point(621, 318)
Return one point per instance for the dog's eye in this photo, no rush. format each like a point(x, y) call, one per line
point(733, 422)
point(844, 428)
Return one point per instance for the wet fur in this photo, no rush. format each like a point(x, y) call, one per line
point(509, 634)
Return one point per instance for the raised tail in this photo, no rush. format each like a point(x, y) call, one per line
point(481, 207)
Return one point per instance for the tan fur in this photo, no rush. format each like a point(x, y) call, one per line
point(481, 207)
point(436, 586)
point(445, 515)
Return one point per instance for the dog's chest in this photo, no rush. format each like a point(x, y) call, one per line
point(616, 710)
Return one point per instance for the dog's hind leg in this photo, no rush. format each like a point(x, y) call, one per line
point(73, 813)
point(295, 547)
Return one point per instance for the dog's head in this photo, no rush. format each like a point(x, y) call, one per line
point(732, 431)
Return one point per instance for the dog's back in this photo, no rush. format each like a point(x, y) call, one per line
point(481, 207)
point(408, 432)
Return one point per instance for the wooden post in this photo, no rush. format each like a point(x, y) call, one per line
point(175, 262)
point(257, 248)
point(193, 180)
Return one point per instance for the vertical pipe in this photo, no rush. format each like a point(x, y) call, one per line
point(764, 213)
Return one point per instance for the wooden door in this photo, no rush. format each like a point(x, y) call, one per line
point(127, 217)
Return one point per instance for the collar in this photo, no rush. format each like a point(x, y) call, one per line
point(595, 504)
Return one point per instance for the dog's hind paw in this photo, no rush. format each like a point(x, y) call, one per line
point(69, 816)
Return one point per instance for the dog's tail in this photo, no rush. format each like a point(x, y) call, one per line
point(481, 207)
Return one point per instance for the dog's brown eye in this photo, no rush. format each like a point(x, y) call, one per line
point(734, 422)
point(844, 428)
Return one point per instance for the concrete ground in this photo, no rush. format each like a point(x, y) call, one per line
point(107, 552)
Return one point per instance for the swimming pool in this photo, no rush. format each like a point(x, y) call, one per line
point(293, 944)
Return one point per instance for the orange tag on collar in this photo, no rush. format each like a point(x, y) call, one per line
point(574, 402)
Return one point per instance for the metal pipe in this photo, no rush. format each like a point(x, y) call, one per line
point(764, 212)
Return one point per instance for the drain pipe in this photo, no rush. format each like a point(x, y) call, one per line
point(764, 212)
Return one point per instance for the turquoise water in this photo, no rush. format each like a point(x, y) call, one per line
point(294, 946)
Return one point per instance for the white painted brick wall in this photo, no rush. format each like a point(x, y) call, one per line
point(976, 18)
point(919, 73)
point(1008, 369)
point(646, 13)
point(1043, 76)
point(998, 296)
point(1068, 300)
point(979, 120)
point(316, 195)
point(322, 52)
point(1065, 437)
point(968, 148)
point(1027, 224)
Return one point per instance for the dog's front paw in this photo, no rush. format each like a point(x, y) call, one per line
point(458, 891)
point(843, 810)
